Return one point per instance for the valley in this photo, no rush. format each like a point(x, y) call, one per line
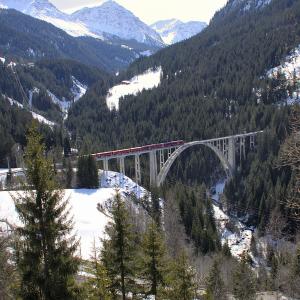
point(149, 161)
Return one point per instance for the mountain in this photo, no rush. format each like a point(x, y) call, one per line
point(111, 19)
point(33, 39)
point(214, 84)
point(173, 31)
point(108, 22)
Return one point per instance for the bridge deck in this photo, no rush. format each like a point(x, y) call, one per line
point(162, 146)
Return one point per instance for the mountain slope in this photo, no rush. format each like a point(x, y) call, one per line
point(210, 88)
point(173, 31)
point(108, 22)
point(112, 19)
point(32, 39)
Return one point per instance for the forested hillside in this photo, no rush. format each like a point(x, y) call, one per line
point(208, 90)
point(32, 39)
point(47, 88)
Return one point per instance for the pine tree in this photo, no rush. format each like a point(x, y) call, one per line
point(243, 282)
point(69, 174)
point(87, 174)
point(97, 284)
point(215, 288)
point(153, 268)
point(182, 279)
point(46, 254)
point(117, 252)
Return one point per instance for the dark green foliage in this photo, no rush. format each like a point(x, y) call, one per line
point(243, 282)
point(96, 286)
point(215, 288)
point(8, 274)
point(87, 173)
point(46, 259)
point(19, 33)
point(153, 262)
point(198, 217)
point(118, 252)
point(182, 279)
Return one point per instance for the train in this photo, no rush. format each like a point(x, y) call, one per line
point(136, 150)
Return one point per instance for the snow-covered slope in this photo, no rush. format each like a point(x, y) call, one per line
point(174, 31)
point(246, 5)
point(147, 80)
point(89, 223)
point(289, 72)
point(112, 19)
point(46, 11)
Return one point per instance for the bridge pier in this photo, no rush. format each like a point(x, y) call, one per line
point(105, 166)
point(122, 165)
point(231, 153)
point(161, 159)
point(153, 168)
point(137, 163)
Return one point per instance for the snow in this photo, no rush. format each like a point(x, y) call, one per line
point(250, 4)
point(42, 119)
point(36, 116)
point(290, 68)
point(110, 18)
point(174, 31)
point(89, 223)
point(2, 59)
point(78, 90)
point(239, 239)
point(148, 80)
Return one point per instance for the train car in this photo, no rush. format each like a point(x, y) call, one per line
point(138, 149)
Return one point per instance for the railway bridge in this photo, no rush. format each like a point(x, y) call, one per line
point(162, 156)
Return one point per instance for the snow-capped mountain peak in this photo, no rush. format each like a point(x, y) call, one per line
point(173, 30)
point(111, 19)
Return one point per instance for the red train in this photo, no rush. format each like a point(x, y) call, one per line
point(138, 149)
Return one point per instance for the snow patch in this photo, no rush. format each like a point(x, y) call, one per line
point(173, 31)
point(89, 223)
point(78, 90)
point(2, 59)
point(290, 69)
point(148, 80)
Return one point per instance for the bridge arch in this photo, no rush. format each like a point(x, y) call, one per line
point(228, 168)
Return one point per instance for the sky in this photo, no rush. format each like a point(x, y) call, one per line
point(151, 11)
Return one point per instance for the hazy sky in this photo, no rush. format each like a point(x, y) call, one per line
point(153, 10)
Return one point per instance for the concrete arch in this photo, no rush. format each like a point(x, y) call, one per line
point(168, 164)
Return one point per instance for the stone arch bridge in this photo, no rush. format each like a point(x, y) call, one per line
point(162, 156)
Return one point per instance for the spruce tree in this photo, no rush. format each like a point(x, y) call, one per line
point(215, 288)
point(182, 279)
point(97, 284)
point(243, 282)
point(87, 174)
point(46, 259)
point(117, 252)
point(153, 268)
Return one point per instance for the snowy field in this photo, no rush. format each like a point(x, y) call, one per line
point(148, 80)
point(89, 222)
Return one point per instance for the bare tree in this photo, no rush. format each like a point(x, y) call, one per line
point(290, 157)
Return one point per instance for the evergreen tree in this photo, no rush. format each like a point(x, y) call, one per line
point(117, 252)
point(97, 284)
point(67, 147)
point(46, 259)
point(215, 288)
point(182, 279)
point(243, 282)
point(87, 174)
point(69, 174)
point(153, 261)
